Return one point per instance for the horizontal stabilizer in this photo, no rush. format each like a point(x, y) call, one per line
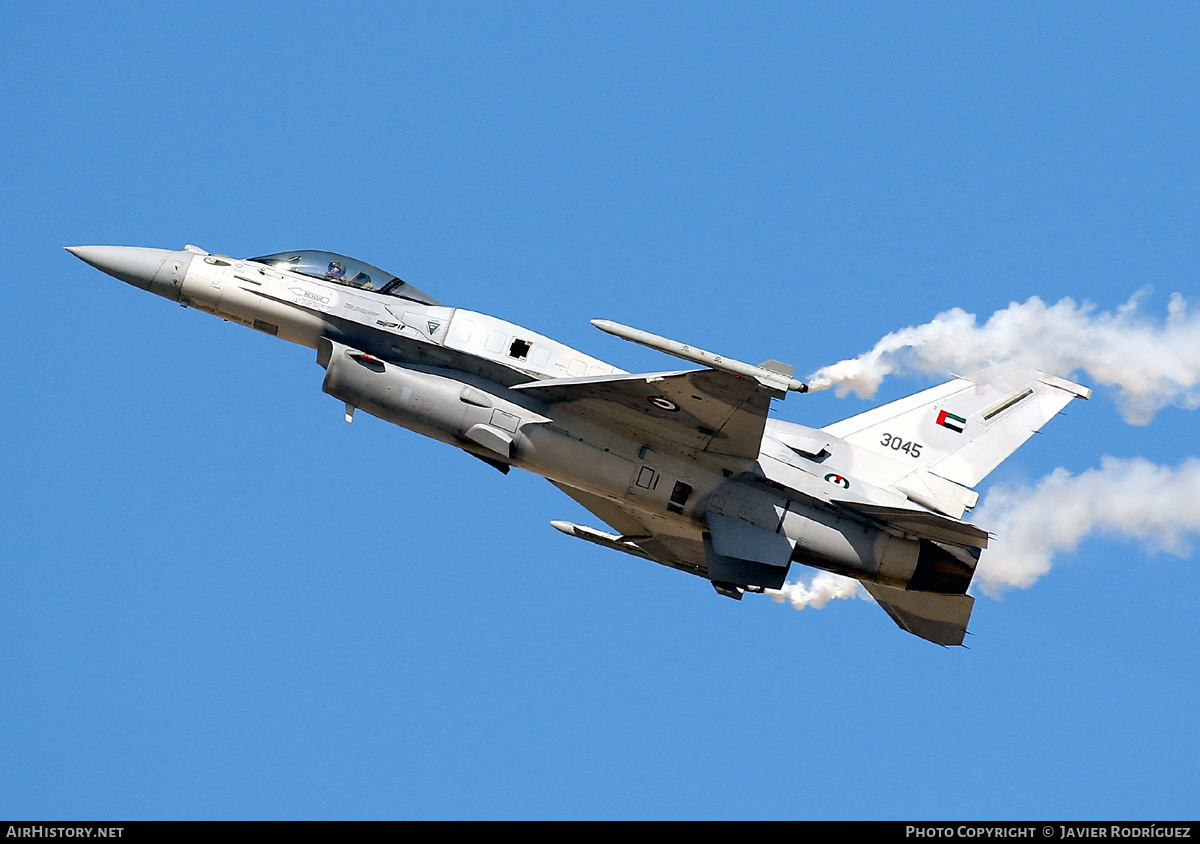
point(922, 524)
point(941, 619)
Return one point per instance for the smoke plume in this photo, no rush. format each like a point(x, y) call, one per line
point(1132, 498)
point(1151, 363)
point(820, 591)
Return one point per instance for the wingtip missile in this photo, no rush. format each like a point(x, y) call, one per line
point(599, 537)
point(771, 378)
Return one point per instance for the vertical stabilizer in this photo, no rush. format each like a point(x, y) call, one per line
point(935, 445)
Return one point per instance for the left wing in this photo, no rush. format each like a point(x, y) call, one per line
point(702, 410)
point(733, 554)
point(669, 543)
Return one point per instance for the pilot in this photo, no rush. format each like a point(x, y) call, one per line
point(336, 271)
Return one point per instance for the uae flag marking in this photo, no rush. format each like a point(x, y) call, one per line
point(949, 420)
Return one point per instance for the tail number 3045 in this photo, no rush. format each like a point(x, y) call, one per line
point(909, 447)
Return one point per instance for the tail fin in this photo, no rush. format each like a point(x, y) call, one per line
point(957, 432)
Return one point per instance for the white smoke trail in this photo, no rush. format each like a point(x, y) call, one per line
point(1132, 498)
point(820, 591)
point(1151, 363)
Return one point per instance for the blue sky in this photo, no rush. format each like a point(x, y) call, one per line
point(221, 601)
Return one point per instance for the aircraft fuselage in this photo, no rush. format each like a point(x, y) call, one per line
point(702, 482)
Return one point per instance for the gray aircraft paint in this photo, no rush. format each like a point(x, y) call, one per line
point(684, 464)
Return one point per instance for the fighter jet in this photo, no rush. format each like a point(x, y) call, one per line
point(685, 466)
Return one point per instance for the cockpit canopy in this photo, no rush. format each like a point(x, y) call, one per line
point(329, 266)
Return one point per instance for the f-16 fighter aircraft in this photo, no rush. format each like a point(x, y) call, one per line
point(685, 466)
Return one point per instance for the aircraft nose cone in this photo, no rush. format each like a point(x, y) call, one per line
point(134, 264)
